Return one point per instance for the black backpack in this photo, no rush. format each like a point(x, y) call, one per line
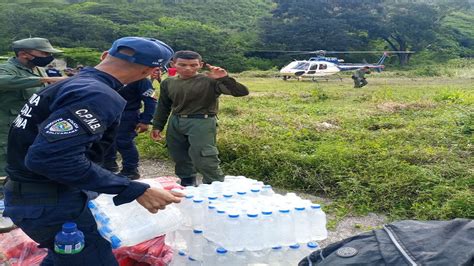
point(403, 243)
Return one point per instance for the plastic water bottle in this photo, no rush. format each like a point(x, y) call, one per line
point(294, 254)
point(267, 190)
point(276, 256)
point(179, 258)
point(70, 240)
point(218, 228)
point(197, 213)
point(197, 245)
point(232, 229)
point(209, 252)
point(250, 229)
point(318, 223)
point(267, 227)
point(222, 258)
point(309, 248)
point(254, 192)
point(186, 208)
point(285, 227)
point(302, 225)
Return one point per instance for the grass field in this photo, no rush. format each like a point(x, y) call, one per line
point(401, 146)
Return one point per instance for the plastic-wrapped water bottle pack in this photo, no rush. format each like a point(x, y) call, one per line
point(242, 221)
point(130, 224)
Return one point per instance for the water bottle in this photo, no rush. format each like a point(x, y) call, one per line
point(221, 258)
point(285, 228)
point(179, 258)
point(232, 229)
point(186, 208)
point(276, 256)
point(254, 192)
point(267, 227)
point(250, 229)
point(218, 230)
point(70, 240)
point(197, 245)
point(318, 223)
point(302, 225)
point(197, 213)
point(267, 191)
point(294, 254)
point(209, 252)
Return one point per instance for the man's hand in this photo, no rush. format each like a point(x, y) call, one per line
point(156, 135)
point(216, 72)
point(140, 128)
point(155, 199)
point(51, 80)
point(156, 74)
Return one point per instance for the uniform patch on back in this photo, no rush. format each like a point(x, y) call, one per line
point(60, 128)
point(89, 120)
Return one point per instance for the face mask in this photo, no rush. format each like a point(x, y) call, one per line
point(42, 61)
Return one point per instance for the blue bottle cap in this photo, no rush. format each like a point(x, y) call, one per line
point(197, 231)
point(191, 259)
point(267, 186)
point(115, 241)
point(276, 248)
point(181, 253)
point(221, 250)
point(233, 215)
point(295, 246)
point(69, 227)
point(196, 200)
point(316, 206)
point(227, 195)
point(189, 196)
point(212, 197)
point(241, 192)
point(255, 190)
point(300, 208)
point(252, 215)
point(211, 207)
point(267, 212)
point(312, 245)
point(220, 211)
point(284, 211)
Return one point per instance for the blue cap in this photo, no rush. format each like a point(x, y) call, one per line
point(69, 227)
point(148, 52)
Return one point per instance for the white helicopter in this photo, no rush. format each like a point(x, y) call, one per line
point(322, 66)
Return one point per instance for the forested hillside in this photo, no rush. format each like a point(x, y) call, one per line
point(229, 33)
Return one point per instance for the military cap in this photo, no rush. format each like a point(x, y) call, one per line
point(40, 44)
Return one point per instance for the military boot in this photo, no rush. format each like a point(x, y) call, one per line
point(131, 174)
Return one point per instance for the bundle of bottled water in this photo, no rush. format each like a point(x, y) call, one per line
point(130, 224)
point(242, 221)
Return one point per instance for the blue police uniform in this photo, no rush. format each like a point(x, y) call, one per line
point(54, 147)
point(134, 93)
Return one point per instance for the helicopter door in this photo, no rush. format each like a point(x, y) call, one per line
point(312, 69)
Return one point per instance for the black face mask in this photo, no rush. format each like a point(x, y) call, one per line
point(42, 61)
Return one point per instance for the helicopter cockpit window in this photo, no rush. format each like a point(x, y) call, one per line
point(314, 67)
point(323, 66)
point(301, 66)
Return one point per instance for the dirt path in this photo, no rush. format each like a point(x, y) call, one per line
point(347, 227)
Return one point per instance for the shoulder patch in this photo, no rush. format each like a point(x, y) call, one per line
point(60, 128)
point(89, 120)
point(149, 93)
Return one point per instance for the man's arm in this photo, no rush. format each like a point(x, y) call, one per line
point(230, 86)
point(163, 109)
point(10, 81)
point(149, 102)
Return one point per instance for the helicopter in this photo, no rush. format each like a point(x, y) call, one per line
point(323, 66)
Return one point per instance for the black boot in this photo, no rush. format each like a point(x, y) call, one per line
point(189, 181)
point(111, 166)
point(131, 174)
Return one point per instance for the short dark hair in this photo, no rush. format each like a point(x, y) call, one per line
point(186, 54)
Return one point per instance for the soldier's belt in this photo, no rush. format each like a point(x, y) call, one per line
point(199, 116)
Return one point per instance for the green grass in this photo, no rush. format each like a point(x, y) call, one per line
point(400, 146)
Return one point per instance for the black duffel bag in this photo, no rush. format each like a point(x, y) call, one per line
point(403, 243)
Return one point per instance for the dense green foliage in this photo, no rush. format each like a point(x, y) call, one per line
point(399, 146)
point(229, 33)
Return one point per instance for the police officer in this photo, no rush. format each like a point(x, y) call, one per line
point(20, 77)
point(132, 123)
point(53, 140)
point(359, 77)
point(192, 99)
